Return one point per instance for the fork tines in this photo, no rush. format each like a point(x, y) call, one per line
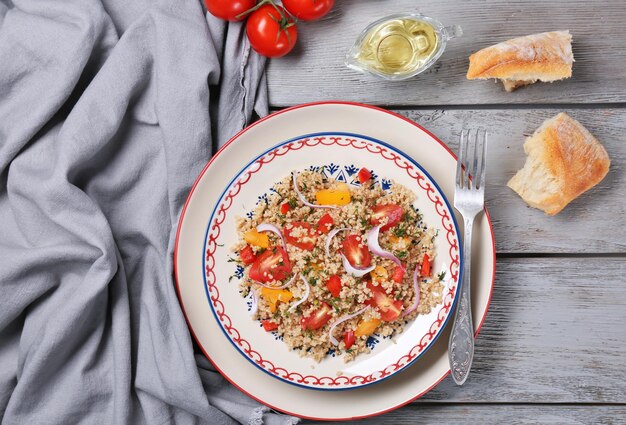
point(471, 163)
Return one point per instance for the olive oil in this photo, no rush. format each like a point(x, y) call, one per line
point(398, 46)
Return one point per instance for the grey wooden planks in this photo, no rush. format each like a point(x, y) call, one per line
point(591, 223)
point(315, 70)
point(467, 414)
point(554, 334)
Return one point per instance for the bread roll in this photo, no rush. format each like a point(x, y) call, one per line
point(564, 160)
point(525, 60)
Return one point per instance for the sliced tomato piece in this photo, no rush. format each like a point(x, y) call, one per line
point(364, 175)
point(247, 255)
point(355, 250)
point(334, 285)
point(398, 274)
point(272, 264)
point(318, 318)
point(325, 223)
point(348, 339)
point(392, 212)
point(425, 269)
point(389, 308)
point(300, 234)
point(284, 208)
point(268, 325)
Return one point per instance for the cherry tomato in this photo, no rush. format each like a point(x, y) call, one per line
point(268, 325)
point(271, 31)
point(334, 285)
point(247, 255)
point(229, 9)
point(284, 208)
point(389, 308)
point(273, 264)
point(425, 269)
point(392, 212)
point(325, 223)
point(364, 175)
point(305, 241)
point(355, 250)
point(348, 339)
point(318, 318)
point(398, 274)
point(308, 10)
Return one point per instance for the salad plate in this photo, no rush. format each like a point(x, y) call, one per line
point(339, 138)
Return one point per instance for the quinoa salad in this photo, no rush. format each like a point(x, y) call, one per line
point(327, 265)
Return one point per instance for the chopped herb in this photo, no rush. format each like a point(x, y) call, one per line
point(306, 271)
point(349, 351)
point(308, 333)
point(304, 186)
point(399, 231)
point(436, 234)
point(292, 203)
point(364, 222)
point(398, 296)
point(313, 281)
point(402, 254)
point(307, 259)
point(262, 250)
point(281, 263)
point(231, 278)
point(221, 245)
point(232, 260)
point(442, 275)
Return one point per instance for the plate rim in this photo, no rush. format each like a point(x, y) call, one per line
point(457, 234)
point(184, 210)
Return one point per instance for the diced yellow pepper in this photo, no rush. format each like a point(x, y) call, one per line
point(366, 327)
point(257, 238)
point(399, 243)
point(338, 195)
point(273, 296)
point(379, 274)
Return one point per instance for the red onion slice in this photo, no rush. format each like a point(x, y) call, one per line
point(353, 270)
point(340, 321)
point(277, 287)
point(304, 298)
point(330, 237)
point(266, 227)
point(254, 302)
point(303, 199)
point(416, 288)
point(374, 246)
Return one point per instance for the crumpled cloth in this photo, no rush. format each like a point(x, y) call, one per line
point(108, 112)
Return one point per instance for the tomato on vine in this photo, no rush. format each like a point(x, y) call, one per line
point(308, 10)
point(230, 10)
point(271, 31)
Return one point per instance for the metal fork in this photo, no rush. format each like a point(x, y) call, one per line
point(469, 200)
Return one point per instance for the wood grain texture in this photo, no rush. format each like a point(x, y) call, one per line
point(554, 334)
point(500, 414)
point(590, 224)
point(315, 70)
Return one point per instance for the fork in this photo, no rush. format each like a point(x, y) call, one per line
point(469, 201)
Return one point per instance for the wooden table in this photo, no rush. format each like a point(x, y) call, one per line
point(553, 347)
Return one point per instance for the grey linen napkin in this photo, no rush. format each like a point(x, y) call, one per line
point(108, 112)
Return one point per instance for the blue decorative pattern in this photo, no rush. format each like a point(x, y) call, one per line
point(239, 272)
point(372, 341)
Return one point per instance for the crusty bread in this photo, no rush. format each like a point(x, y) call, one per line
point(564, 160)
point(525, 60)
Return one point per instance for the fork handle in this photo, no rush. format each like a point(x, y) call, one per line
point(461, 345)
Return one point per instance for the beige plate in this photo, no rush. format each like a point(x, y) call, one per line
point(403, 134)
